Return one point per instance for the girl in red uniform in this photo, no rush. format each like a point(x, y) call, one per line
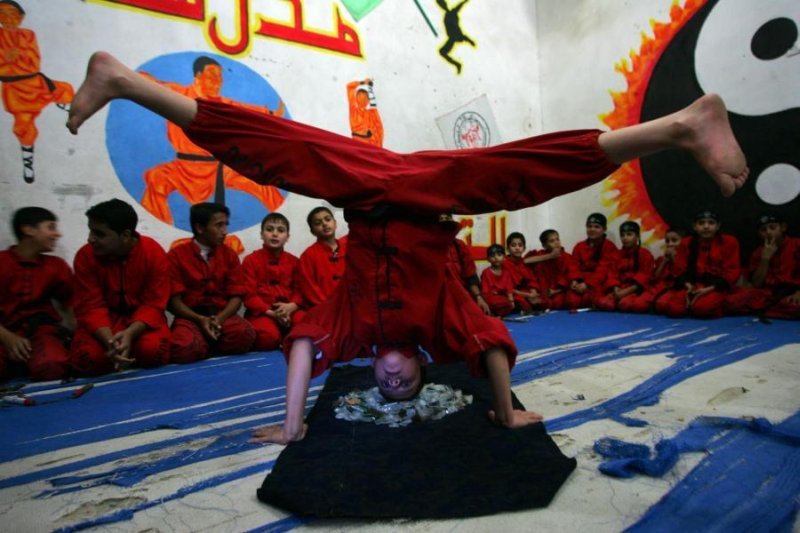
point(497, 284)
point(710, 262)
point(629, 276)
point(773, 276)
point(592, 263)
point(526, 287)
point(552, 267)
point(386, 294)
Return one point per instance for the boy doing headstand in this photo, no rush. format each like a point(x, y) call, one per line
point(388, 296)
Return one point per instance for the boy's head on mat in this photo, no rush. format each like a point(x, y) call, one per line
point(399, 370)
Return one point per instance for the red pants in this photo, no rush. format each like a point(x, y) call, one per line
point(188, 343)
point(556, 301)
point(269, 334)
point(347, 173)
point(747, 301)
point(498, 304)
point(632, 303)
point(673, 304)
point(575, 301)
point(49, 359)
point(87, 356)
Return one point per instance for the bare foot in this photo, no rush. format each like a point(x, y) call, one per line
point(707, 134)
point(105, 78)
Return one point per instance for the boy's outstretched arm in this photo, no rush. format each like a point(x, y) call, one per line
point(298, 377)
point(504, 413)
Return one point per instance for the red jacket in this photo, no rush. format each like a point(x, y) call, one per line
point(136, 286)
point(521, 275)
point(633, 265)
point(717, 261)
point(553, 273)
point(270, 279)
point(461, 263)
point(206, 286)
point(30, 285)
point(784, 265)
point(593, 271)
point(320, 271)
point(501, 285)
point(669, 273)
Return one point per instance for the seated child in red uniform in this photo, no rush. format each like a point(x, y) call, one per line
point(271, 276)
point(710, 262)
point(459, 259)
point(393, 296)
point(526, 287)
point(121, 291)
point(32, 280)
point(592, 260)
point(773, 275)
point(322, 263)
point(207, 291)
point(629, 277)
point(497, 284)
point(551, 267)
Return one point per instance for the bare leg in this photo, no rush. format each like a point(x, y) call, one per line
point(701, 128)
point(107, 79)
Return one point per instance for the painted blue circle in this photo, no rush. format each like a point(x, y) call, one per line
point(136, 139)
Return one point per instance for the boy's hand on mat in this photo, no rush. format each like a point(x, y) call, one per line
point(517, 419)
point(277, 435)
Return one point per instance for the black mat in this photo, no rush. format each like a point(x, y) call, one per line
point(458, 466)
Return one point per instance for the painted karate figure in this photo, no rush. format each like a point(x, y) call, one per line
point(393, 202)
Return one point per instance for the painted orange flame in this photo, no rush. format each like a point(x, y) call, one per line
point(624, 191)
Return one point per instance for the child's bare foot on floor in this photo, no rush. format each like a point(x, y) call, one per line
point(708, 136)
point(104, 81)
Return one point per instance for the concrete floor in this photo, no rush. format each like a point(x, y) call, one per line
point(165, 449)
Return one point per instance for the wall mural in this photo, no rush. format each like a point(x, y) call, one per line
point(455, 35)
point(158, 165)
point(340, 37)
point(365, 120)
point(751, 71)
point(26, 89)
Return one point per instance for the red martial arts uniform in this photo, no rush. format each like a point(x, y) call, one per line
point(270, 279)
point(553, 274)
point(206, 287)
point(496, 290)
point(524, 280)
point(396, 287)
point(115, 292)
point(26, 309)
point(320, 271)
point(634, 267)
point(459, 258)
point(716, 264)
point(782, 280)
point(591, 267)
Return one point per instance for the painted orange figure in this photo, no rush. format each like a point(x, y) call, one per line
point(365, 121)
point(195, 174)
point(26, 91)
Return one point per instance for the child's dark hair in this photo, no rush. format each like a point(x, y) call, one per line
point(201, 214)
point(515, 235)
point(30, 216)
point(543, 236)
point(314, 211)
point(680, 231)
point(116, 214)
point(494, 249)
point(14, 4)
point(275, 217)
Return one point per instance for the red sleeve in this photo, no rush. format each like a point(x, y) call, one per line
point(468, 268)
point(91, 308)
point(62, 287)
point(294, 275)
point(234, 279)
point(642, 276)
point(310, 265)
point(731, 263)
point(176, 266)
point(154, 291)
point(251, 271)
